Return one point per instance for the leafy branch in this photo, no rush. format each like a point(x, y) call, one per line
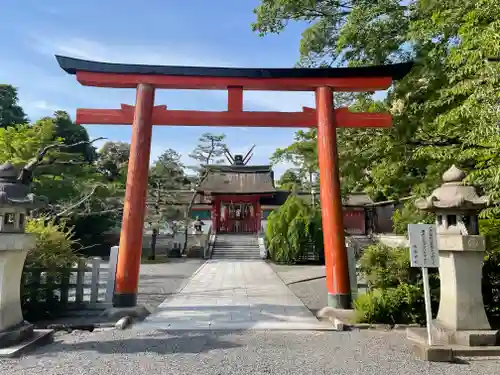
point(26, 175)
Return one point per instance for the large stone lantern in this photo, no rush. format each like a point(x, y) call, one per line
point(461, 317)
point(15, 203)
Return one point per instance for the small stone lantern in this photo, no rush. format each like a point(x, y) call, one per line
point(15, 202)
point(198, 230)
point(197, 249)
point(461, 318)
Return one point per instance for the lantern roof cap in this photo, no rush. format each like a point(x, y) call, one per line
point(8, 171)
point(453, 195)
point(13, 193)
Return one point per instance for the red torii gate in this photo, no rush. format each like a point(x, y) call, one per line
point(146, 79)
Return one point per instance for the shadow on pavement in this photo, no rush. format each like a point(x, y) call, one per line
point(163, 277)
point(169, 343)
point(230, 313)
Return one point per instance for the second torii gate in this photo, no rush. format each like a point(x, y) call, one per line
point(146, 79)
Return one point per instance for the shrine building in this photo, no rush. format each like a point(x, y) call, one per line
point(238, 198)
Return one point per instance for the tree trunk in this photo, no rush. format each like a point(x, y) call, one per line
point(154, 235)
point(312, 192)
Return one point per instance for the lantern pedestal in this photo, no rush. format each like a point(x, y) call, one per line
point(16, 335)
point(460, 271)
point(461, 318)
point(197, 249)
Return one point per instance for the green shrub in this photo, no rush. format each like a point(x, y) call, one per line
point(409, 214)
point(491, 269)
point(54, 253)
point(54, 244)
point(385, 267)
point(292, 229)
point(403, 304)
point(395, 289)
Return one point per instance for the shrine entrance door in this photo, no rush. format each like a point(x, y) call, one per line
point(238, 215)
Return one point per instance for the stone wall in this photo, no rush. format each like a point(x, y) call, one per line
point(166, 242)
point(392, 240)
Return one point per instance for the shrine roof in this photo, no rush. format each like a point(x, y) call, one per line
point(238, 180)
point(72, 66)
point(238, 168)
point(350, 200)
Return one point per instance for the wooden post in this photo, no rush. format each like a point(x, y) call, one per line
point(337, 270)
point(94, 284)
point(80, 280)
point(110, 285)
point(258, 219)
point(129, 255)
point(215, 213)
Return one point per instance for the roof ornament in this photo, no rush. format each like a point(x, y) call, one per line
point(238, 159)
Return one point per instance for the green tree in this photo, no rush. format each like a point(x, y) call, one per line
point(76, 191)
point(289, 180)
point(444, 111)
point(209, 150)
point(11, 112)
point(112, 161)
point(72, 133)
point(169, 169)
point(292, 229)
point(166, 178)
point(302, 153)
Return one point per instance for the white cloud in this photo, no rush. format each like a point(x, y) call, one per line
point(125, 53)
point(174, 55)
point(42, 105)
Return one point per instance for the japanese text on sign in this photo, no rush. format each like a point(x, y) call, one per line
point(423, 245)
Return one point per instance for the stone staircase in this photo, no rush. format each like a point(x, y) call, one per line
point(236, 246)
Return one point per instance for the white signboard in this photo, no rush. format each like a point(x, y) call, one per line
point(424, 253)
point(423, 245)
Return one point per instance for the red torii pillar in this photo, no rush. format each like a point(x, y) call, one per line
point(132, 230)
point(336, 261)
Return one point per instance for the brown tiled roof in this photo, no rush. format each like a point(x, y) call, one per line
point(238, 180)
point(181, 197)
point(357, 199)
point(350, 200)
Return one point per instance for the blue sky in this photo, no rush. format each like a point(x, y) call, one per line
point(169, 32)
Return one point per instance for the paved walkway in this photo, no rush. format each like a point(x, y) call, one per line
point(234, 295)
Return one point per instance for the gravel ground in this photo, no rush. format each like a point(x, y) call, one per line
point(312, 293)
point(158, 281)
point(136, 353)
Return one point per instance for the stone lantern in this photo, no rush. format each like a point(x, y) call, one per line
point(15, 203)
point(461, 317)
point(198, 231)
